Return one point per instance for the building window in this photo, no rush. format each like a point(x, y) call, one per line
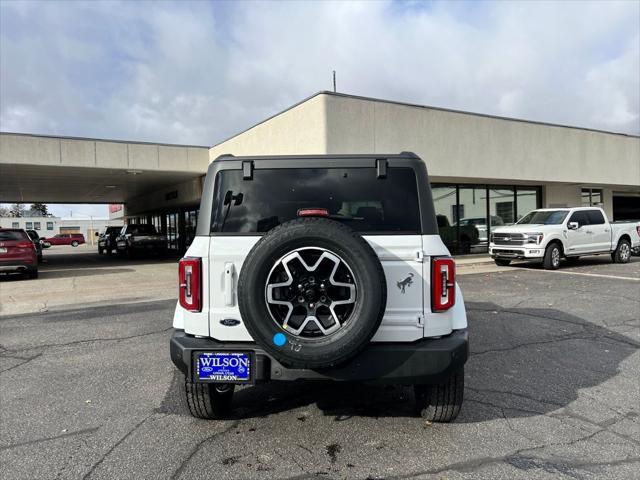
point(29, 226)
point(472, 226)
point(49, 225)
point(36, 226)
point(591, 197)
point(526, 200)
point(15, 224)
point(190, 223)
point(467, 213)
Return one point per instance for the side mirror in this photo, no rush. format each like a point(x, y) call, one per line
point(97, 234)
point(573, 226)
point(46, 244)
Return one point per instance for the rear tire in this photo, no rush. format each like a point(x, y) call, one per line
point(552, 254)
point(208, 400)
point(100, 251)
point(501, 262)
point(441, 403)
point(622, 253)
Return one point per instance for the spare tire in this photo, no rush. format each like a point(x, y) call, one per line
point(312, 293)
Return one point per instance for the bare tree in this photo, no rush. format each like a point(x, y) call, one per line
point(17, 210)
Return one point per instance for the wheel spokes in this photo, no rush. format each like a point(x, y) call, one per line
point(302, 302)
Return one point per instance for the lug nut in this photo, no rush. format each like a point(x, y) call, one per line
point(322, 285)
point(311, 305)
point(299, 286)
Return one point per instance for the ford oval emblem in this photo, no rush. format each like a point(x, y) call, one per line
point(230, 322)
point(206, 369)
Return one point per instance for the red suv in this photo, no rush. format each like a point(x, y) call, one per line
point(17, 252)
point(73, 239)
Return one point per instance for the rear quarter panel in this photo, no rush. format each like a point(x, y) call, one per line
point(625, 228)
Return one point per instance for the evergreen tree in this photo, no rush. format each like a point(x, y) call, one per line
point(40, 208)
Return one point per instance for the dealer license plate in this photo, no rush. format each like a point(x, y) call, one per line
point(223, 366)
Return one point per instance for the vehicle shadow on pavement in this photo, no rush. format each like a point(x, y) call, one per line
point(524, 362)
point(531, 361)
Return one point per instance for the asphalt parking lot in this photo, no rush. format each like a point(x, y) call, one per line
point(553, 391)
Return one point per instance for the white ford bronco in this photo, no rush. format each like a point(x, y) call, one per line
point(319, 267)
point(549, 234)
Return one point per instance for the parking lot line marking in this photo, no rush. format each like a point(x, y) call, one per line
point(600, 275)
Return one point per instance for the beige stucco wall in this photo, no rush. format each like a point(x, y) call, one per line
point(16, 149)
point(299, 130)
point(561, 195)
point(458, 145)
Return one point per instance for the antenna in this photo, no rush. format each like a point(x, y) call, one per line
point(334, 81)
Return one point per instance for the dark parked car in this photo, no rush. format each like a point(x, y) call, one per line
point(17, 252)
point(481, 225)
point(136, 238)
point(107, 239)
point(37, 241)
point(73, 239)
point(468, 235)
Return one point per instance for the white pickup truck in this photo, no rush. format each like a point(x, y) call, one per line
point(547, 235)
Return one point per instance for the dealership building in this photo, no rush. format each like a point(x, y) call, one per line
point(484, 170)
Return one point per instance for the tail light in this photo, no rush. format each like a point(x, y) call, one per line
point(638, 230)
point(25, 245)
point(190, 281)
point(443, 284)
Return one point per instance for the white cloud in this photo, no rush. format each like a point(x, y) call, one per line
point(199, 72)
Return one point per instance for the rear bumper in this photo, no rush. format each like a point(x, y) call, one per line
point(426, 361)
point(16, 267)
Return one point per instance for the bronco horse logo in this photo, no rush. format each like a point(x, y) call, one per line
point(405, 283)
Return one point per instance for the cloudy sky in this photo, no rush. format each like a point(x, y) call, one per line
point(196, 73)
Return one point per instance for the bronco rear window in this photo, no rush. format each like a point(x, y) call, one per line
point(354, 196)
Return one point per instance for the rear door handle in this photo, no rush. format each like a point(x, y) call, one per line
point(229, 271)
